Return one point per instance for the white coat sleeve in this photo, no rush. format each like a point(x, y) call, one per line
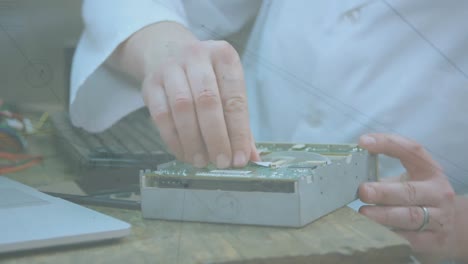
point(100, 96)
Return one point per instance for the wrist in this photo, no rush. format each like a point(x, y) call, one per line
point(146, 49)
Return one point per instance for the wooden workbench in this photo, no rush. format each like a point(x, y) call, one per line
point(343, 236)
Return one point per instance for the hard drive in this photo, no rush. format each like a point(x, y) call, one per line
point(293, 185)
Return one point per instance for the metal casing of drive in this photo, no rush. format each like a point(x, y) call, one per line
point(293, 185)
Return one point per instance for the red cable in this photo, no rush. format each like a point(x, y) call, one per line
point(30, 161)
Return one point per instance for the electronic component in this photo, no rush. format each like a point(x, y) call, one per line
point(293, 185)
point(111, 159)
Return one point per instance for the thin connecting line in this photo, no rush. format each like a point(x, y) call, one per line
point(324, 95)
point(447, 58)
point(26, 58)
point(421, 35)
point(318, 92)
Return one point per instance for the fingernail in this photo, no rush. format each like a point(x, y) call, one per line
point(239, 159)
point(368, 140)
point(256, 156)
point(199, 160)
point(222, 161)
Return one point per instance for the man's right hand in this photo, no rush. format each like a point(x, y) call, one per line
point(195, 92)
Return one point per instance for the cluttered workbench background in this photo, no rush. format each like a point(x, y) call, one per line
point(343, 236)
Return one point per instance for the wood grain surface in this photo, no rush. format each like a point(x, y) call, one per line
point(343, 236)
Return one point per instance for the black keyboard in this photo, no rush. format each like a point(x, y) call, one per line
point(115, 156)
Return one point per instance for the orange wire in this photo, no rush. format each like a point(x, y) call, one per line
point(33, 160)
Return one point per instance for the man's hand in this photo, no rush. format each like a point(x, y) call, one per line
point(195, 92)
point(399, 201)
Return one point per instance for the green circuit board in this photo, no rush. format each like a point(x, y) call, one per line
point(280, 166)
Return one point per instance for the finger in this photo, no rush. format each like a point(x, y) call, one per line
point(413, 156)
point(408, 218)
point(404, 177)
point(402, 193)
point(254, 155)
point(183, 114)
point(208, 106)
point(156, 101)
point(400, 178)
point(230, 78)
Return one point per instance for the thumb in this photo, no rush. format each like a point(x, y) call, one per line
point(412, 155)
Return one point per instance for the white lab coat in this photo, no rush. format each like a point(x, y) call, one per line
point(316, 71)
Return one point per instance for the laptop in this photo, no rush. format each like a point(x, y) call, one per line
point(30, 219)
